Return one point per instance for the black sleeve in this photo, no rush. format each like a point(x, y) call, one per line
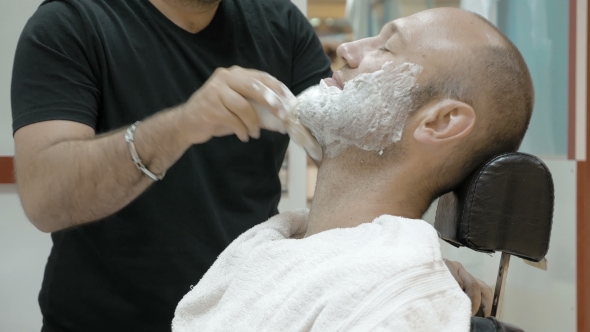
point(52, 78)
point(310, 62)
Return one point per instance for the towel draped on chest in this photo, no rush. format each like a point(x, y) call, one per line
point(387, 275)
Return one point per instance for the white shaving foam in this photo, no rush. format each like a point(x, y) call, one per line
point(369, 113)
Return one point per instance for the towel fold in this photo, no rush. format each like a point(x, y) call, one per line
point(387, 275)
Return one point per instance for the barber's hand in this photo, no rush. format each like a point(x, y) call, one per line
point(222, 105)
point(481, 295)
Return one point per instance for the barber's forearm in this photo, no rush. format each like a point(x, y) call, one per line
point(79, 181)
point(85, 178)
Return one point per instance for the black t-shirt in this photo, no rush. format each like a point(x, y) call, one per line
point(108, 63)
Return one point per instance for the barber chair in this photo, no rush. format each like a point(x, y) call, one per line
point(507, 206)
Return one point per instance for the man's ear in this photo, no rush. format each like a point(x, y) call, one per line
point(444, 122)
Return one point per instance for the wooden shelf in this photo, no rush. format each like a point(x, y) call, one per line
point(326, 9)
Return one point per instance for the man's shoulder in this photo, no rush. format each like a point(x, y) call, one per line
point(404, 232)
point(279, 227)
point(55, 23)
point(390, 221)
point(87, 10)
point(72, 6)
point(58, 15)
point(54, 12)
point(61, 24)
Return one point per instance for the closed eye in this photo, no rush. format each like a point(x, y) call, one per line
point(385, 49)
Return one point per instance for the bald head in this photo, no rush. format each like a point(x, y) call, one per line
point(486, 71)
point(473, 98)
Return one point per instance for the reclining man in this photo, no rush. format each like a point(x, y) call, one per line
point(414, 112)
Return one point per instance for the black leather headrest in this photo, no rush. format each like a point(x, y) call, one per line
point(506, 205)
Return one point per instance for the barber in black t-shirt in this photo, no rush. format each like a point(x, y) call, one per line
point(127, 246)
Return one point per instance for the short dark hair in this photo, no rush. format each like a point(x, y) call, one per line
point(496, 82)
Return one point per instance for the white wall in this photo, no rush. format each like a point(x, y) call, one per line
point(302, 4)
point(23, 253)
point(13, 16)
point(23, 249)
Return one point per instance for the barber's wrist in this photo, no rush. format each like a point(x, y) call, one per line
point(145, 151)
point(130, 139)
point(189, 128)
point(182, 123)
point(158, 141)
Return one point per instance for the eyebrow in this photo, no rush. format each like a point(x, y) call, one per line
point(394, 29)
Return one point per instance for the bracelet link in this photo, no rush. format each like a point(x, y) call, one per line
point(129, 138)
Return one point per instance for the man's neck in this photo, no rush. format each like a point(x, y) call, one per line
point(191, 16)
point(349, 196)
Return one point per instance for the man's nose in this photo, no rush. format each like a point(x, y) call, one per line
point(350, 53)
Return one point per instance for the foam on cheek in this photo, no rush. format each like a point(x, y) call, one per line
point(369, 113)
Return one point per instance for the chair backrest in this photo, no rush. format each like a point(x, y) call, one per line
point(506, 205)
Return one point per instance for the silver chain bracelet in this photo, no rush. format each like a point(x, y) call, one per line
point(129, 137)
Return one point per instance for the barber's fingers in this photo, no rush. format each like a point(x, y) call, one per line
point(268, 80)
point(260, 87)
point(205, 116)
point(243, 110)
point(224, 105)
point(487, 298)
point(232, 125)
point(229, 123)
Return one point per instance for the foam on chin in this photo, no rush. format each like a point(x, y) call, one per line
point(369, 113)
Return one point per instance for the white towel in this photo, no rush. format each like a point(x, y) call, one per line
point(387, 275)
